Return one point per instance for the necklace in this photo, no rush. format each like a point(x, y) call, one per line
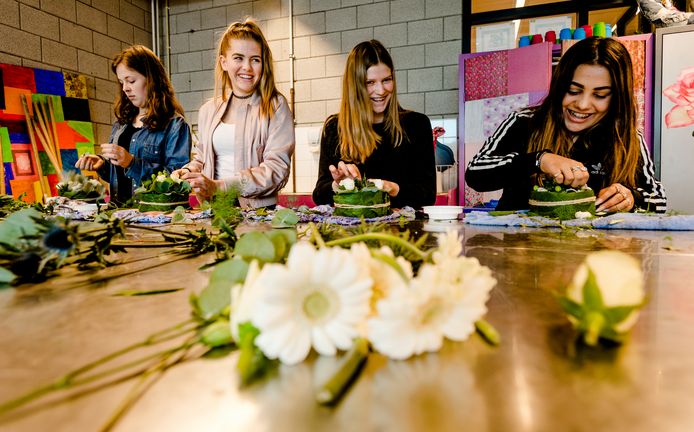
point(241, 97)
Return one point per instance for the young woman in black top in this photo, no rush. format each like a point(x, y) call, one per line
point(372, 136)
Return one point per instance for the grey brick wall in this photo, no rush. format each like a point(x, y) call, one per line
point(75, 36)
point(424, 37)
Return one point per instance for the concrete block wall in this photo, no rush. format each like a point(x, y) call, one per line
point(423, 36)
point(76, 36)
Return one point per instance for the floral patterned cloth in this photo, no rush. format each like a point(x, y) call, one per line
point(324, 214)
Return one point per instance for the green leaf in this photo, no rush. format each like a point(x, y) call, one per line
point(284, 218)
point(390, 261)
point(19, 224)
point(252, 362)
point(6, 276)
point(592, 298)
point(283, 240)
point(488, 332)
point(217, 295)
point(255, 245)
point(617, 314)
point(217, 334)
point(571, 307)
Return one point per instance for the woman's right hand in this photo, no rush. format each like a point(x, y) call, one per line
point(564, 170)
point(89, 162)
point(202, 186)
point(343, 171)
point(182, 171)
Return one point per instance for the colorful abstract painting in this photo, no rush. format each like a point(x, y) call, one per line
point(71, 126)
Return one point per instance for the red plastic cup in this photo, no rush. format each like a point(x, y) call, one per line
point(588, 29)
point(551, 36)
point(537, 38)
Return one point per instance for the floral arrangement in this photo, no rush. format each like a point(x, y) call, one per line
point(361, 198)
point(163, 192)
point(80, 187)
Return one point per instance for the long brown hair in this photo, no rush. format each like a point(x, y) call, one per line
point(161, 103)
point(619, 122)
point(248, 30)
point(355, 120)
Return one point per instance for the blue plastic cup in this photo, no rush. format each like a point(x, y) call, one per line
point(565, 34)
point(608, 30)
point(524, 41)
point(579, 33)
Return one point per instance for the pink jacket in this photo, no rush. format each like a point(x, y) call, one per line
point(263, 150)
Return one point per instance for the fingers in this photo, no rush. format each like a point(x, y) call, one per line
point(391, 188)
point(614, 198)
point(348, 170)
point(575, 175)
point(89, 162)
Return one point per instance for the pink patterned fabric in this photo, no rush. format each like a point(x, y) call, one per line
point(495, 110)
point(486, 76)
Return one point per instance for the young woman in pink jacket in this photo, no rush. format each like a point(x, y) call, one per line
point(246, 131)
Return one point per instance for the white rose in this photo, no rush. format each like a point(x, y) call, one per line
point(347, 184)
point(619, 279)
point(175, 177)
point(583, 215)
point(161, 178)
point(378, 183)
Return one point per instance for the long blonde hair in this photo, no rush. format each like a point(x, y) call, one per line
point(355, 120)
point(247, 30)
point(620, 122)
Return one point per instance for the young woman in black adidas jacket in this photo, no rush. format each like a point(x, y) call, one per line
point(584, 132)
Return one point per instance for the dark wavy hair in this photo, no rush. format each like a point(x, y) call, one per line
point(620, 121)
point(161, 104)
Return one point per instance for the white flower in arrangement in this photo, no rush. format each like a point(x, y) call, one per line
point(175, 177)
point(161, 177)
point(317, 300)
point(378, 183)
point(244, 297)
point(583, 215)
point(347, 183)
point(444, 300)
point(385, 270)
point(619, 282)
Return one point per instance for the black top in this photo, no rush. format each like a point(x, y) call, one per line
point(125, 184)
point(504, 163)
point(410, 165)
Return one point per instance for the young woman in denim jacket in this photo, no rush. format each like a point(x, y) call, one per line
point(246, 133)
point(149, 135)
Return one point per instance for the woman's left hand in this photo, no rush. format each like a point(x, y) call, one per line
point(203, 186)
point(614, 198)
point(117, 155)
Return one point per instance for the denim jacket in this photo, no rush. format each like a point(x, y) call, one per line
point(154, 151)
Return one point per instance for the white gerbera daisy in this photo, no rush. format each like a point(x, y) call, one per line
point(244, 298)
point(443, 300)
point(383, 268)
point(317, 299)
point(450, 246)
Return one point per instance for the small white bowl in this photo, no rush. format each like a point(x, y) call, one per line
point(443, 212)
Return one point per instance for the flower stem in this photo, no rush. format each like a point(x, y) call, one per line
point(335, 386)
point(379, 236)
point(594, 324)
point(316, 235)
point(71, 379)
point(488, 332)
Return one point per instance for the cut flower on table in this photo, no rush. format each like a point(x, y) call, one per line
point(604, 296)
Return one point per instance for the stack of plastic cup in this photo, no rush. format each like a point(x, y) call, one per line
point(551, 36)
point(579, 33)
point(588, 29)
point(537, 38)
point(565, 34)
point(599, 29)
point(608, 30)
point(524, 41)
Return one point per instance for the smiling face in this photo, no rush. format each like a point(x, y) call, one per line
point(134, 85)
point(243, 63)
point(379, 85)
point(587, 100)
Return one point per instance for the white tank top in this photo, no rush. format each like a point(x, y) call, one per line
point(223, 145)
